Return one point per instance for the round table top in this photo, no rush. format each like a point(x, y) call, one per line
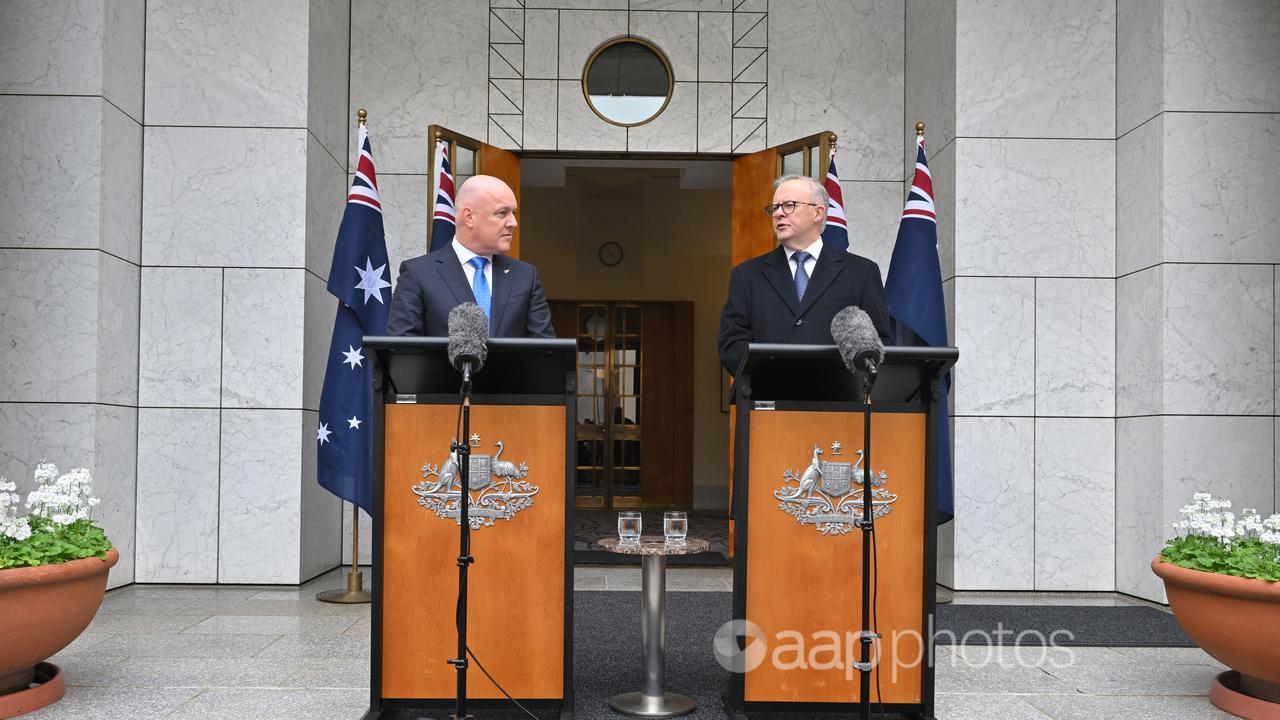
point(655, 546)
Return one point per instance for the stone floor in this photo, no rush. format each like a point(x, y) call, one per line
point(211, 653)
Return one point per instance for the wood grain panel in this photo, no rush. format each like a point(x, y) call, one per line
point(504, 165)
point(516, 614)
point(753, 177)
point(799, 580)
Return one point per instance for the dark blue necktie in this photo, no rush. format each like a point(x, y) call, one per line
point(479, 285)
point(802, 276)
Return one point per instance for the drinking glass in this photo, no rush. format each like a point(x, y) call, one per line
point(629, 527)
point(675, 526)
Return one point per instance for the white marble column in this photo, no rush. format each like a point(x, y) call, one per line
point(70, 123)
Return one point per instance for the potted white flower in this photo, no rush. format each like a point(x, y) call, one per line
point(53, 574)
point(1222, 576)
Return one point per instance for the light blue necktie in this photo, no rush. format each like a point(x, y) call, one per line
point(802, 277)
point(480, 286)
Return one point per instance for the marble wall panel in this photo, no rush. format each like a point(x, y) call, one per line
point(124, 38)
point(49, 325)
point(328, 81)
point(580, 129)
point(51, 48)
point(326, 202)
point(1139, 514)
point(1230, 457)
point(321, 530)
point(1219, 202)
point(115, 467)
point(180, 337)
point(675, 130)
point(121, 185)
point(226, 63)
point(930, 73)
point(714, 122)
point(1075, 504)
point(1275, 290)
point(1035, 68)
point(406, 228)
point(1063, 221)
point(581, 32)
point(995, 324)
point(319, 315)
point(541, 44)
point(715, 47)
point(51, 194)
point(260, 497)
point(995, 500)
point(720, 6)
point(676, 33)
point(1075, 347)
point(873, 210)
point(540, 108)
point(856, 90)
point(403, 81)
point(262, 338)
point(117, 331)
point(366, 537)
point(946, 555)
point(198, 208)
point(1206, 370)
point(177, 520)
point(1140, 338)
point(1139, 213)
point(1222, 56)
point(1140, 79)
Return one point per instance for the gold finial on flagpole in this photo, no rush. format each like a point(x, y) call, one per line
point(834, 138)
point(361, 113)
point(919, 129)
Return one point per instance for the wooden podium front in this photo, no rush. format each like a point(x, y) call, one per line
point(520, 589)
point(798, 568)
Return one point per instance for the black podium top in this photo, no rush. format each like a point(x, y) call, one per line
point(515, 366)
point(775, 371)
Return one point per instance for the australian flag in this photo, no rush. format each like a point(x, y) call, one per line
point(916, 306)
point(836, 233)
point(442, 219)
point(358, 278)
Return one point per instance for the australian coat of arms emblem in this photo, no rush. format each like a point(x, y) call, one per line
point(828, 493)
point(497, 490)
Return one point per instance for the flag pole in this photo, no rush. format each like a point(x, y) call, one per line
point(355, 594)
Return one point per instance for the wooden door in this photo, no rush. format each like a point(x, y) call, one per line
point(467, 157)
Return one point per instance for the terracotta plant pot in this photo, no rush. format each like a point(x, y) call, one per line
point(42, 609)
point(1234, 619)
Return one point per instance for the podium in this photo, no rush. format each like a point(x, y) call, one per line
point(520, 599)
point(797, 491)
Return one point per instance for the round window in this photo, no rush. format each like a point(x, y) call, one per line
point(627, 81)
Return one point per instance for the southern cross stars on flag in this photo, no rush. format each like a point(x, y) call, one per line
point(359, 279)
point(836, 232)
point(443, 224)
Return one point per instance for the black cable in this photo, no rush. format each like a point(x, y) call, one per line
point(502, 689)
point(875, 613)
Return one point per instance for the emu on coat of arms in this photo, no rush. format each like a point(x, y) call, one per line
point(497, 488)
point(828, 493)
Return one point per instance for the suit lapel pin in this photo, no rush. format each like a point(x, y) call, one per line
point(506, 270)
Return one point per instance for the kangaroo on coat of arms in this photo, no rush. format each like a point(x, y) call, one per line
point(824, 494)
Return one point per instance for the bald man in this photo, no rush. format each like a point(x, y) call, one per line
point(473, 268)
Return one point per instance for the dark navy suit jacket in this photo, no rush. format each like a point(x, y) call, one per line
point(431, 285)
point(762, 305)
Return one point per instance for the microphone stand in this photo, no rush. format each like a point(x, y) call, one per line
point(463, 449)
point(867, 524)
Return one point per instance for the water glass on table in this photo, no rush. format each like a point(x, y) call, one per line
point(629, 527)
point(675, 526)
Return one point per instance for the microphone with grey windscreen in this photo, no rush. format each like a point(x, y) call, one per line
point(857, 340)
point(468, 335)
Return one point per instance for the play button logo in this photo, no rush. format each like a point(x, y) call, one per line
point(739, 646)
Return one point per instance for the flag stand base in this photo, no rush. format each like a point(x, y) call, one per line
point(355, 593)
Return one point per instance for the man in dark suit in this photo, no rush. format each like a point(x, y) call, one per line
point(473, 269)
point(791, 293)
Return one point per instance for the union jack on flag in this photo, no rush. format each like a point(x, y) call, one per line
point(836, 233)
point(359, 279)
point(442, 214)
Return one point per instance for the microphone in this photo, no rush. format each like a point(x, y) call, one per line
point(856, 338)
point(468, 333)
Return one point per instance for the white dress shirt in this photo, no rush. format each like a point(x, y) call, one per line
point(814, 251)
point(464, 256)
